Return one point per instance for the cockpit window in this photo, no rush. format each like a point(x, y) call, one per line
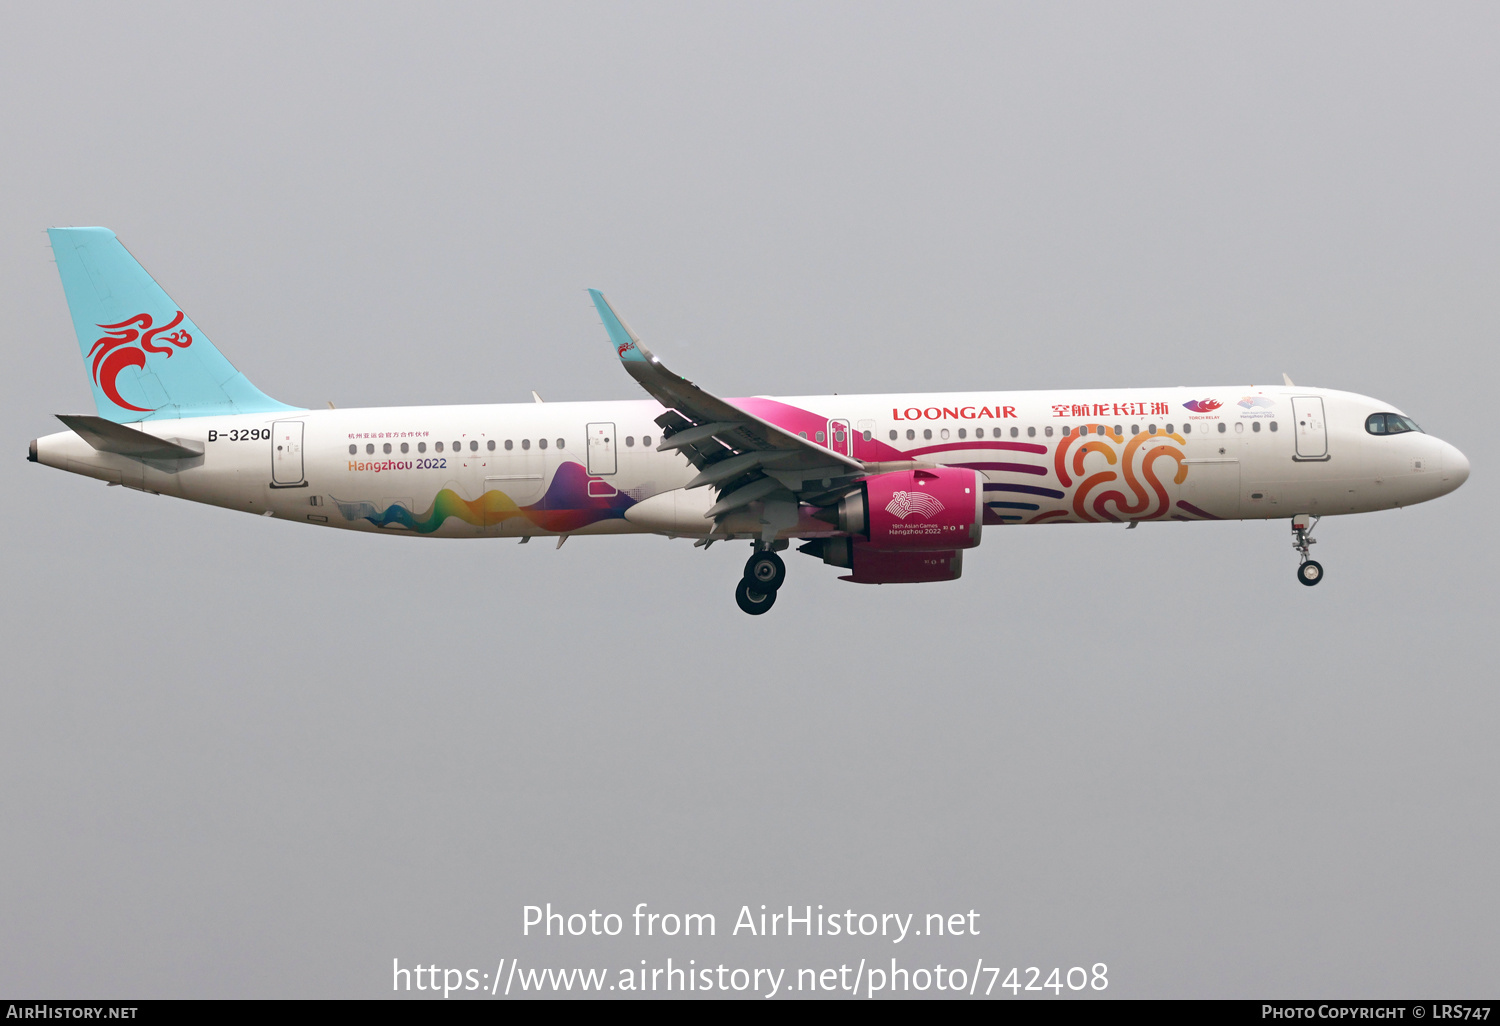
point(1389, 424)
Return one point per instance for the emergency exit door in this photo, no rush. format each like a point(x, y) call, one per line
point(286, 454)
point(601, 452)
point(838, 437)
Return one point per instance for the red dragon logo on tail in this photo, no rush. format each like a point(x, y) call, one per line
point(114, 352)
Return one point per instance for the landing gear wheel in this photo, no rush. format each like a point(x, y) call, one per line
point(751, 599)
point(1310, 573)
point(765, 571)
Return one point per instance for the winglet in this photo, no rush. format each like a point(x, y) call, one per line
point(627, 345)
point(1288, 379)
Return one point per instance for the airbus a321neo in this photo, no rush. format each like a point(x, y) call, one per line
point(889, 488)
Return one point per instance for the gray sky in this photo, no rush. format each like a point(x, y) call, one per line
point(246, 758)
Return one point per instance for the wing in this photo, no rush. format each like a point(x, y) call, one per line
point(746, 459)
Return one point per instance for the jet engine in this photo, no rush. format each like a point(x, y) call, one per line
point(905, 526)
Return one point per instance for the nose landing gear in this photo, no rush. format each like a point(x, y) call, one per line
point(764, 574)
point(1310, 571)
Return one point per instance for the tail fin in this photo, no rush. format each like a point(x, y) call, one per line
point(146, 359)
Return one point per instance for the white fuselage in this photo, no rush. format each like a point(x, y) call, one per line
point(590, 468)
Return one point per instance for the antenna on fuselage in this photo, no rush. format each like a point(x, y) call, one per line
point(1284, 377)
point(535, 397)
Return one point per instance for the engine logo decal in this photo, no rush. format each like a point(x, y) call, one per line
point(904, 504)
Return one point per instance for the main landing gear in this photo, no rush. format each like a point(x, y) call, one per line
point(1310, 572)
point(764, 574)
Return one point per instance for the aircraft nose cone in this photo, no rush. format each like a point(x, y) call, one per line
point(1455, 466)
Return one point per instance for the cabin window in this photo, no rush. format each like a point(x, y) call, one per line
point(509, 445)
point(630, 441)
point(910, 435)
point(437, 446)
point(1169, 429)
point(1255, 426)
point(1222, 428)
point(962, 433)
point(353, 449)
point(370, 449)
point(1273, 425)
point(1048, 429)
point(490, 445)
point(405, 448)
point(525, 444)
point(1239, 427)
point(473, 445)
point(1135, 429)
point(821, 436)
point(943, 434)
point(869, 435)
point(801, 434)
point(386, 448)
point(561, 444)
point(978, 432)
point(541, 443)
point(1065, 431)
point(893, 434)
point(646, 440)
point(1015, 432)
point(421, 447)
point(1187, 429)
point(1119, 430)
point(1151, 429)
point(458, 446)
point(1030, 432)
point(927, 434)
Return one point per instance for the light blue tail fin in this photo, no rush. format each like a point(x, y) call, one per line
point(146, 359)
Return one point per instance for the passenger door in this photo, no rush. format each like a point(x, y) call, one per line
point(286, 454)
point(1312, 432)
point(601, 449)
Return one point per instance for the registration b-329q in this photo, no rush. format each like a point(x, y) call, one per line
point(891, 488)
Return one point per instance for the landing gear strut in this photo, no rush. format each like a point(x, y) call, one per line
point(1310, 572)
point(764, 574)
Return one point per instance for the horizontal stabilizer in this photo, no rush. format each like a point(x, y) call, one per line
point(107, 436)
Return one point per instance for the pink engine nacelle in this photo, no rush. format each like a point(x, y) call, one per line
point(907, 526)
point(922, 510)
point(879, 566)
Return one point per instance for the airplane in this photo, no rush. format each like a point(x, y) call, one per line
point(890, 488)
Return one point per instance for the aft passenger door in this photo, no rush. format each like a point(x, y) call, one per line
point(286, 454)
point(1312, 431)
